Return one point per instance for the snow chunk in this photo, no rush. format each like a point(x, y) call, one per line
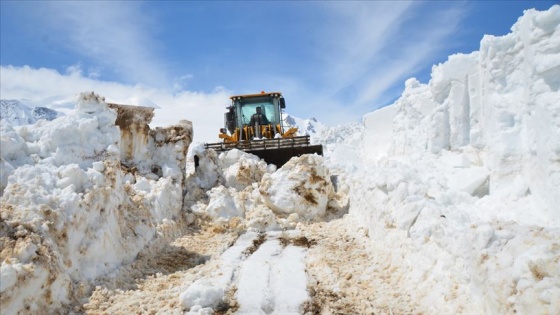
point(202, 293)
point(242, 169)
point(222, 203)
point(301, 186)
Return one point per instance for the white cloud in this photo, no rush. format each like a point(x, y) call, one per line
point(371, 47)
point(116, 35)
point(94, 72)
point(47, 86)
point(180, 83)
point(75, 69)
point(363, 49)
point(360, 31)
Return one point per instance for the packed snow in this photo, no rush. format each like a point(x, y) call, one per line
point(444, 202)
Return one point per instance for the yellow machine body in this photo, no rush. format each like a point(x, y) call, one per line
point(269, 141)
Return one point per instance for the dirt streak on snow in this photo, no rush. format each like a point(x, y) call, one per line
point(347, 277)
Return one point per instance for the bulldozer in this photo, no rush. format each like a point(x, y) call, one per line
point(253, 123)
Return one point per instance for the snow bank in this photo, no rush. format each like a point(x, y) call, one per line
point(71, 211)
point(470, 181)
point(236, 184)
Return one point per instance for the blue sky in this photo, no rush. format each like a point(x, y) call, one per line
point(333, 60)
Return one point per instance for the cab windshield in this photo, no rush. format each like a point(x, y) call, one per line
point(249, 109)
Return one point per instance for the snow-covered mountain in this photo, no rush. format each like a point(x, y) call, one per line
point(322, 134)
point(445, 202)
point(305, 126)
point(16, 113)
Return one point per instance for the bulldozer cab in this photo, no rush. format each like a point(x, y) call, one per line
point(244, 106)
point(268, 141)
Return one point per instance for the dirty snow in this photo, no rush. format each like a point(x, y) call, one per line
point(445, 202)
point(71, 211)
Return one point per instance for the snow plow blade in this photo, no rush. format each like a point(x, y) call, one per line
point(274, 151)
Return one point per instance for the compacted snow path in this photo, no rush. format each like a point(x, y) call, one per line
point(208, 271)
point(212, 270)
point(272, 280)
point(319, 268)
point(262, 273)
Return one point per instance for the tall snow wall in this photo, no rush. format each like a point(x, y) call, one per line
point(465, 181)
point(75, 207)
point(503, 101)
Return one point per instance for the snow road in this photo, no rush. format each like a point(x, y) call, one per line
point(264, 270)
point(320, 268)
point(261, 273)
point(272, 280)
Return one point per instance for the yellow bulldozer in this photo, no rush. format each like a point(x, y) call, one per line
point(254, 124)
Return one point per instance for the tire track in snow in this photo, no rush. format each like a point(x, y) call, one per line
point(347, 275)
point(260, 274)
point(214, 291)
point(273, 279)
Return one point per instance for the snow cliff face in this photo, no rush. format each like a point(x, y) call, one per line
point(15, 113)
point(71, 211)
point(472, 167)
point(501, 103)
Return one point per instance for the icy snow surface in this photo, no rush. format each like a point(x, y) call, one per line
point(445, 202)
